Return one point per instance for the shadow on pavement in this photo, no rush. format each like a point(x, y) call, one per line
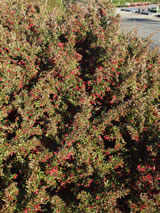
point(141, 20)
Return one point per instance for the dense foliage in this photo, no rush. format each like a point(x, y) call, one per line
point(79, 112)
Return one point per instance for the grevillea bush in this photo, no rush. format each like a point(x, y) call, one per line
point(79, 112)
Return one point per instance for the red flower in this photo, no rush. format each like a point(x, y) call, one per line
point(108, 89)
point(15, 176)
point(53, 171)
point(106, 137)
point(101, 68)
point(113, 69)
point(60, 44)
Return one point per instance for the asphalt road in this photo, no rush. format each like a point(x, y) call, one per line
point(145, 25)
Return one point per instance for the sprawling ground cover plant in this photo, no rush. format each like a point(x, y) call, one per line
point(79, 112)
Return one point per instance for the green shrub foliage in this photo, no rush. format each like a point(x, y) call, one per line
point(79, 112)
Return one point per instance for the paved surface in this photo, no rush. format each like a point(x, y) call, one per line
point(144, 24)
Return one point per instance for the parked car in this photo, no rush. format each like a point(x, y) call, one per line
point(154, 9)
point(143, 11)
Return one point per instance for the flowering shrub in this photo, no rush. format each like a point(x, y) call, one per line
point(79, 112)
